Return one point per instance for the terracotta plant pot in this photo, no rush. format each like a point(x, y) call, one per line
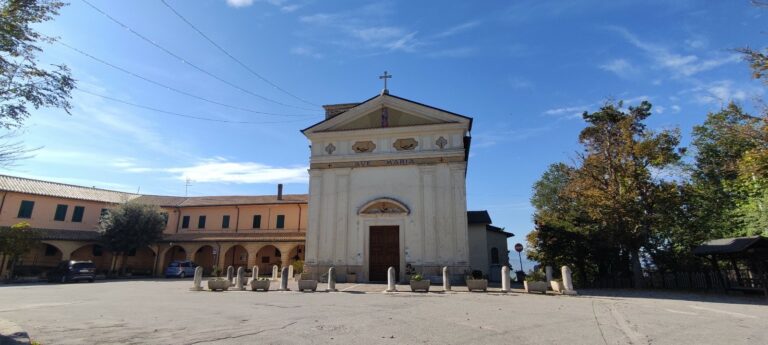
point(477, 284)
point(421, 285)
point(535, 286)
point(218, 284)
point(257, 285)
point(307, 284)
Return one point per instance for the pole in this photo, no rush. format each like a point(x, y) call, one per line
point(519, 255)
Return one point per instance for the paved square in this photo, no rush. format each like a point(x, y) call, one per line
point(165, 312)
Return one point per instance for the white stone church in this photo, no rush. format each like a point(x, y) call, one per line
point(388, 188)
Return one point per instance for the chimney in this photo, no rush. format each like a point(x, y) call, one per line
point(332, 110)
point(279, 191)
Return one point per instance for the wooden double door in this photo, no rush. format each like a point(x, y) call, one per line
point(384, 252)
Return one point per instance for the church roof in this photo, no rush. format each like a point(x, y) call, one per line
point(347, 108)
point(497, 229)
point(478, 217)
point(62, 190)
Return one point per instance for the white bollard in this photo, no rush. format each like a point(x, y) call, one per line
point(290, 271)
point(548, 272)
point(391, 287)
point(284, 280)
point(505, 279)
point(567, 281)
point(446, 280)
point(255, 273)
point(240, 276)
point(197, 284)
point(331, 280)
point(274, 272)
point(230, 275)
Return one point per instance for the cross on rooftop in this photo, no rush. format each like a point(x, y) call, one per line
point(385, 77)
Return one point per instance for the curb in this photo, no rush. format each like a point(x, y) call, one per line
point(12, 334)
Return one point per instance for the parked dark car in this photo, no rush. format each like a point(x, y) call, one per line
point(71, 271)
point(180, 269)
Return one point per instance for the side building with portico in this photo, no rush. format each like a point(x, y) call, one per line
point(212, 231)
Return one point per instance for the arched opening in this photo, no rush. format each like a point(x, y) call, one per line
point(101, 257)
point(384, 206)
point(37, 261)
point(204, 258)
point(236, 257)
point(297, 253)
point(139, 262)
point(494, 256)
point(267, 257)
point(173, 254)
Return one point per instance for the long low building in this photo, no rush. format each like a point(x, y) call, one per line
point(212, 231)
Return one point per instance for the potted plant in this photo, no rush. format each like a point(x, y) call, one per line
point(557, 285)
point(260, 284)
point(535, 282)
point(218, 284)
point(476, 283)
point(307, 284)
point(419, 283)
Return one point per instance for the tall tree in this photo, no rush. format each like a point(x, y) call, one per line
point(132, 226)
point(22, 82)
point(617, 183)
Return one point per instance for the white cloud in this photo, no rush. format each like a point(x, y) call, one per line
point(675, 108)
point(239, 3)
point(219, 170)
point(620, 67)
point(722, 91)
point(520, 83)
point(281, 4)
point(306, 51)
point(568, 112)
point(457, 29)
point(678, 64)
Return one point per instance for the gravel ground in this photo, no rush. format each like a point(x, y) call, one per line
point(166, 312)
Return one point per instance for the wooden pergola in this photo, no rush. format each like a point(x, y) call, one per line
point(752, 251)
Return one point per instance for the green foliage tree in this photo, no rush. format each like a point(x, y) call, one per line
point(15, 241)
point(132, 226)
point(22, 81)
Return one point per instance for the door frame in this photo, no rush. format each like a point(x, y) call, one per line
point(366, 222)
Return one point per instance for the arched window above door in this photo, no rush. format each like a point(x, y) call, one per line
point(384, 206)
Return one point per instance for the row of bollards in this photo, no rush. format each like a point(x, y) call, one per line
point(240, 280)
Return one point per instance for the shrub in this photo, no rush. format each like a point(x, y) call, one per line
point(535, 276)
point(417, 277)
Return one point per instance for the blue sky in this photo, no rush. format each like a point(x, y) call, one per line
point(524, 70)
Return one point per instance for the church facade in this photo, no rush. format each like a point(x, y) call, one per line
point(388, 189)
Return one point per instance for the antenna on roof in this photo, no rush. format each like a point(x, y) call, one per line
point(138, 190)
point(187, 183)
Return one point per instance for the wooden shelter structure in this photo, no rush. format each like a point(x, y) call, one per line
point(748, 258)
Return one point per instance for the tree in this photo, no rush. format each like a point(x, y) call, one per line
point(15, 241)
point(132, 226)
point(617, 183)
point(22, 81)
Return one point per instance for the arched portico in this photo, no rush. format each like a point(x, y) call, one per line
point(173, 253)
point(96, 253)
point(236, 256)
point(204, 257)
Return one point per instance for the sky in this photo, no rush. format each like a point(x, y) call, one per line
point(524, 70)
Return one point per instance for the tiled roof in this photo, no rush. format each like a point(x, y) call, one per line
point(47, 188)
point(731, 245)
point(54, 189)
point(478, 217)
point(492, 228)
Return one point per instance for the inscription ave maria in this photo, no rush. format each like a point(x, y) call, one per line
point(361, 164)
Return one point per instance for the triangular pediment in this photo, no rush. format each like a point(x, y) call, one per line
point(400, 112)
